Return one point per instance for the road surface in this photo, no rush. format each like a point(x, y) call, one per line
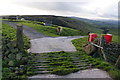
point(53, 44)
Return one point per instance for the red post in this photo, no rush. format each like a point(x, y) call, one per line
point(92, 36)
point(108, 38)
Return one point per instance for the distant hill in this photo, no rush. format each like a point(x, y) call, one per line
point(112, 25)
point(100, 22)
point(81, 25)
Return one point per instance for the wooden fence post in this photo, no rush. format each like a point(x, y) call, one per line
point(19, 35)
point(118, 62)
point(102, 50)
point(99, 49)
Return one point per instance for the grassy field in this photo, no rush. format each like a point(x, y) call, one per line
point(116, 38)
point(3, 19)
point(51, 30)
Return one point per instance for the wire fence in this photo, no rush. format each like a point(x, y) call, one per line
point(112, 52)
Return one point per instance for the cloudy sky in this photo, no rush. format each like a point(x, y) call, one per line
point(93, 9)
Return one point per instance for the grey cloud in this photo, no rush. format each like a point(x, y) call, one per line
point(111, 12)
point(74, 8)
point(57, 6)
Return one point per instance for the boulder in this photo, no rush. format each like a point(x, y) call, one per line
point(18, 56)
point(90, 49)
point(11, 63)
point(11, 56)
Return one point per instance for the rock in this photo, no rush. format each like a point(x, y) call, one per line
point(11, 56)
point(24, 58)
point(16, 68)
point(18, 56)
point(5, 58)
point(90, 49)
point(15, 50)
point(7, 52)
point(11, 63)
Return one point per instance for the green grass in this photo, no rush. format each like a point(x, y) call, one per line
point(114, 31)
point(91, 28)
point(9, 32)
point(61, 64)
point(3, 19)
point(51, 30)
point(79, 43)
point(116, 38)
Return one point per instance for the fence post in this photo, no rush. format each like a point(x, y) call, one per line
point(102, 45)
point(19, 35)
point(99, 49)
point(118, 62)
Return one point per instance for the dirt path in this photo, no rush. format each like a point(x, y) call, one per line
point(28, 31)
